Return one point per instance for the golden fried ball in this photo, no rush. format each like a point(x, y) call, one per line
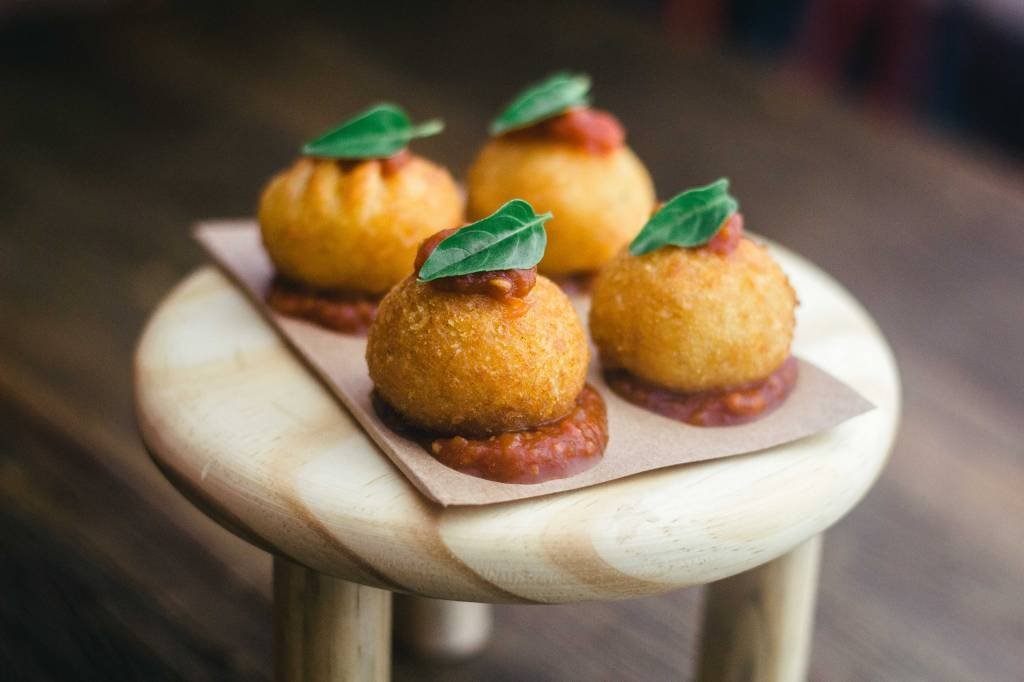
point(465, 364)
point(335, 226)
point(599, 201)
point(692, 320)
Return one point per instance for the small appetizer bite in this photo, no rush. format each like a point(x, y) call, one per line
point(485, 359)
point(343, 223)
point(550, 148)
point(695, 321)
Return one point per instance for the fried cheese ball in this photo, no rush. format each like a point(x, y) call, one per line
point(465, 365)
point(693, 320)
point(599, 201)
point(355, 227)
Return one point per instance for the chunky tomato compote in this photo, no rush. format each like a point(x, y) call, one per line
point(508, 286)
point(598, 132)
point(558, 449)
point(348, 312)
point(723, 407)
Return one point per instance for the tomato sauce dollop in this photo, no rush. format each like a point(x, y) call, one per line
point(722, 407)
point(507, 286)
point(595, 131)
point(728, 237)
point(348, 312)
point(558, 449)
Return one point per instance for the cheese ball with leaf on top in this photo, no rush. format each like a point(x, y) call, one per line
point(599, 200)
point(694, 307)
point(340, 225)
point(475, 343)
point(694, 320)
point(550, 148)
point(486, 359)
point(469, 365)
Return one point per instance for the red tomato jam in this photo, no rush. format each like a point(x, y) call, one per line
point(558, 449)
point(508, 286)
point(597, 132)
point(728, 237)
point(343, 311)
point(722, 407)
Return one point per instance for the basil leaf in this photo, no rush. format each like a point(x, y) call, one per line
point(380, 131)
point(544, 100)
point(511, 238)
point(689, 219)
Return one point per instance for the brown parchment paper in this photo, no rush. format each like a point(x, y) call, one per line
point(639, 440)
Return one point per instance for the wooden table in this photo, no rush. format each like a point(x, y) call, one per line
point(121, 129)
point(242, 429)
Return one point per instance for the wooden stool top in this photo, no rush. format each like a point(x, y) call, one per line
point(249, 435)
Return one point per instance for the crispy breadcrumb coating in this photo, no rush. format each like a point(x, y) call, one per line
point(353, 226)
point(599, 201)
point(694, 320)
point(467, 364)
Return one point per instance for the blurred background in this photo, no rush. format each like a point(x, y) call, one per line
point(883, 139)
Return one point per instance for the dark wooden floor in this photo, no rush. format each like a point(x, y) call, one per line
point(118, 131)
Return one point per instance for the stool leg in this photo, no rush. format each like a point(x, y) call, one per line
point(442, 629)
point(328, 629)
point(758, 624)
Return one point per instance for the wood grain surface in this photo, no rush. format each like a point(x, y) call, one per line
point(120, 130)
point(240, 424)
point(640, 440)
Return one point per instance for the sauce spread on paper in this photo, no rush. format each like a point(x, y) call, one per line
point(343, 311)
point(723, 407)
point(558, 449)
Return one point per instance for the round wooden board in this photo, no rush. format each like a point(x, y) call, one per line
point(247, 433)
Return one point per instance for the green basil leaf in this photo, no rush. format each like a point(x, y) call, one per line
point(544, 100)
point(511, 238)
point(688, 219)
point(380, 131)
